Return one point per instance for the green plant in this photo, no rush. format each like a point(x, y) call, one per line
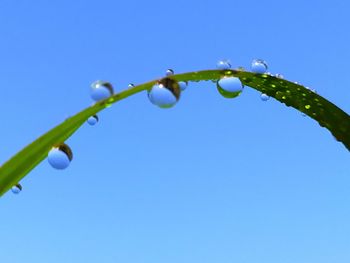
point(315, 106)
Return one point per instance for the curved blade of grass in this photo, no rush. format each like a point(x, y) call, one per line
point(324, 112)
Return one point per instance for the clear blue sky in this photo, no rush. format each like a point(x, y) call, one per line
point(210, 180)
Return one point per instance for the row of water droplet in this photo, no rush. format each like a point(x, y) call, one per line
point(165, 93)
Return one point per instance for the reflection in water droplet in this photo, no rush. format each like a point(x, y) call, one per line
point(60, 156)
point(223, 64)
point(264, 97)
point(169, 72)
point(92, 120)
point(16, 189)
point(259, 66)
point(165, 94)
point(183, 85)
point(101, 90)
point(229, 87)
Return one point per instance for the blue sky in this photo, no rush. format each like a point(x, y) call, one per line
point(210, 180)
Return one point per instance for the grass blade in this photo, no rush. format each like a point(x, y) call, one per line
point(318, 108)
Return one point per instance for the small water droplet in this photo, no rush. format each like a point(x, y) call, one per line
point(60, 156)
point(16, 189)
point(280, 76)
point(183, 85)
point(229, 87)
point(264, 97)
point(165, 94)
point(92, 120)
point(259, 66)
point(101, 90)
point(131, 85)
point(223, 64)
point(169, 72)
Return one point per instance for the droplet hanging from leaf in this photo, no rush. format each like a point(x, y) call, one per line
point(60, 156)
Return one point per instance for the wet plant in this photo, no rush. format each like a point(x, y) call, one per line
point(165, 93)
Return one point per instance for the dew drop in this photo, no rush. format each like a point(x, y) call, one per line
point(280, 76)
point(183, 85)
point(169, 72)
point(92, 120)
point(165, 93)
point(259, 66)
point(229, 87)
point(131, 85)
point(101, 90)
point(60, 156)
point(16, 189)
point(223, 64)
point(264, 97)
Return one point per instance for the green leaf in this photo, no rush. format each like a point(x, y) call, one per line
point(324, 112)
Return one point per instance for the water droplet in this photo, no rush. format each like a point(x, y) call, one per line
point(101, 90)
point(169, 72)
point(280, 76)
point(165, 94)
point(229, 87)
point(60, 156)
point(264, 97)
point(92, 120)
point(16, 189)
point(259, 66)
point(131, 85)
point(183, 85)
point(223, 64)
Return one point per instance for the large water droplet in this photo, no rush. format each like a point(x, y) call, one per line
point(165, 94)
point(92, 120)
point(16, 189)
point(101, 90)
point(223, 64)
point(264, 97)
point(169, 72)
point(229, 87)
point(259, 66)
point(60, 156)
point(183, 85)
